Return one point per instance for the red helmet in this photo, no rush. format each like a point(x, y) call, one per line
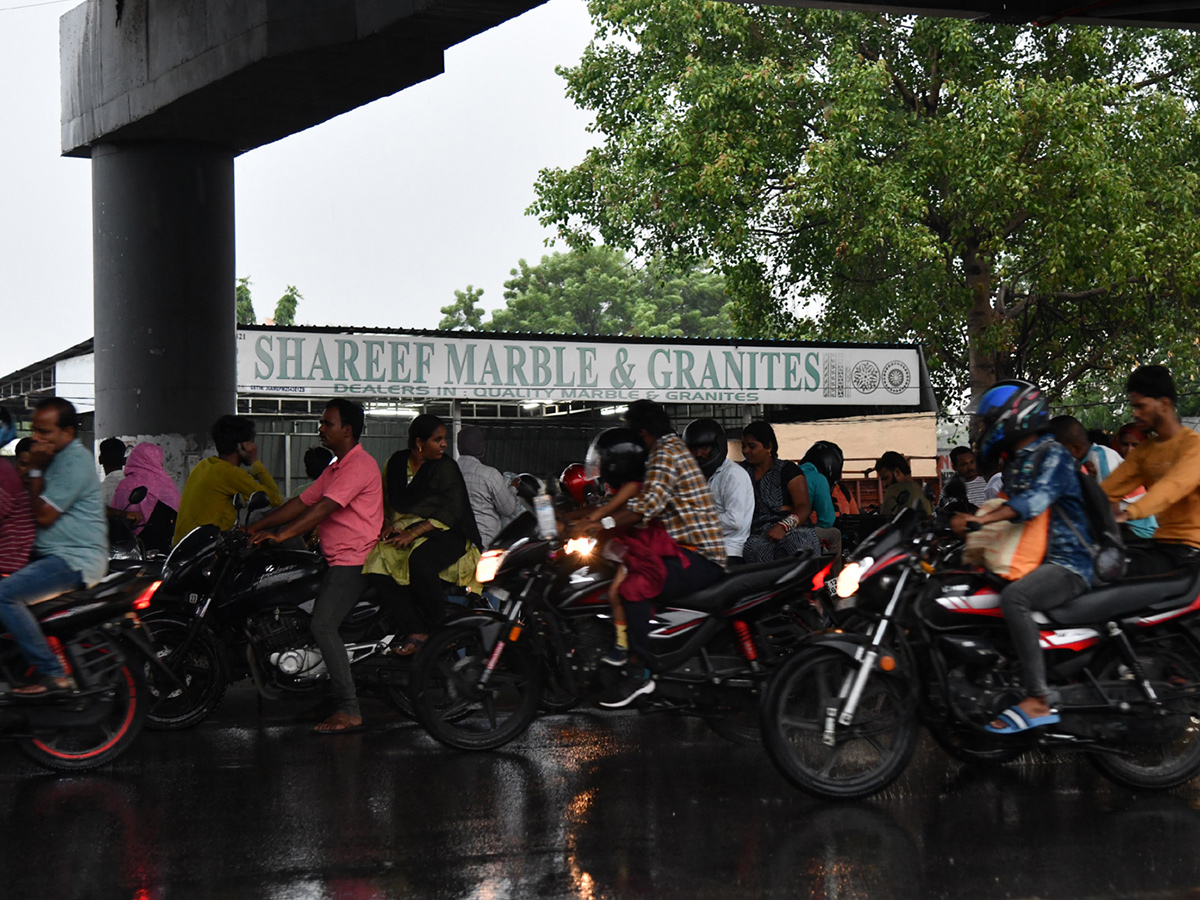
point(575, 481)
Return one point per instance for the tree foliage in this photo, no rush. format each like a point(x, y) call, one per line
point(464, 314)
point(285, 308)
point(1021, 201)
point(245, 306)
point(597, 290)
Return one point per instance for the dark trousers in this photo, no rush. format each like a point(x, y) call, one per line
point(341, 588)
point(1149, 558)
point(700, 573)
point(1046, 587)
point(418, 607)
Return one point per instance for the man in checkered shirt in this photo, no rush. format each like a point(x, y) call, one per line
point(676, 493)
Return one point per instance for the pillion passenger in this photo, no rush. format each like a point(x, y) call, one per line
point(730, 484)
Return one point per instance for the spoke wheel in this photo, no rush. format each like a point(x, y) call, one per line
point(866, 756)
point(114, 714)
point(1169, 661)
point(449, 701)
point(200, 670)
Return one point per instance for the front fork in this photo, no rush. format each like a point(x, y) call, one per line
point(855, 682)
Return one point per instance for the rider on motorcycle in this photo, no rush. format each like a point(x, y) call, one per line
point(731, 486)
point(1011, 421)
point(1168, 464)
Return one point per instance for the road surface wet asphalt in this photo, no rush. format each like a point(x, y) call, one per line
point(586, 805)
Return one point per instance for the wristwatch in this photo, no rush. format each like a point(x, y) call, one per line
point(608, 523)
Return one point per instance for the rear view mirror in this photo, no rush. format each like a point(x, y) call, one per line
point(137, 495)
point(238, 503)
point(258, 500)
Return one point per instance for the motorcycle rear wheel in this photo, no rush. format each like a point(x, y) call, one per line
point(455, 710)
point(202, 671)
point(1159, 766)
point(867, 755)
point(75, 748)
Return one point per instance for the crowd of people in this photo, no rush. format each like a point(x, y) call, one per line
point(678, 512)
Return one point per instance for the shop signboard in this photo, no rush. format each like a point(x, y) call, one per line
point(550, 369)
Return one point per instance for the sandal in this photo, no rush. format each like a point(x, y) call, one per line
point(339, 723)
point(409, 646)
point(46, 685)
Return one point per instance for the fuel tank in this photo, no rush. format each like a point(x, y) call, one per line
point(274, 577)
point(958, 598)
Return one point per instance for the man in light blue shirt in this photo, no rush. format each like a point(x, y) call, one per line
point(71, 549)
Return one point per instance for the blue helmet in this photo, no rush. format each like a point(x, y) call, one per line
point(1006, 411)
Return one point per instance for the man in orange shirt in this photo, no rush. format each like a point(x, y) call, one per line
point(1168, 464)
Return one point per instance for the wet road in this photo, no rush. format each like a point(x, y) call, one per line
point(588, 805)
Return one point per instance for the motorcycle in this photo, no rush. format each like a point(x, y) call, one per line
point(235, 611)
point(477, 683)
point(840, 718)
point(99, 638)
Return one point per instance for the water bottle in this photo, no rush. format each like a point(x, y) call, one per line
point(544, 508)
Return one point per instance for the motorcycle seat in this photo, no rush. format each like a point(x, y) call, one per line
point(1124, 597)
point(109, 586)
point(739, 582)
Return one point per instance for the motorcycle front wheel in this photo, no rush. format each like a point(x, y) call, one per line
point(110, 717)
point(454, 702)
point(1172, 661)
point(866, 756)
point(199, 667)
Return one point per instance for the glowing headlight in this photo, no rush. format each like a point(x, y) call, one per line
point(488, 565)
point(847, 583)
point(581, 545)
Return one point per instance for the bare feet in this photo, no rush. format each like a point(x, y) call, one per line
point(45, 685)
point(410, 645)
point(339, 723)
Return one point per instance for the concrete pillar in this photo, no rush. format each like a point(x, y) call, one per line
point(163, 242)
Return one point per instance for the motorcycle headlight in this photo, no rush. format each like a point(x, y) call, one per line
point(489, 565)
point(582, 546)
point(851, 574)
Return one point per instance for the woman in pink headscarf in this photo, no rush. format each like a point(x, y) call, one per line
point(144, 467)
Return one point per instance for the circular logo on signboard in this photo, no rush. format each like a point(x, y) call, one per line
point(896, 377)
point(865, 376)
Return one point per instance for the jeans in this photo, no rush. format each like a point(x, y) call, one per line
point(341, 588)
point(1046, 587)
point(1150, 558)
point(40, 580)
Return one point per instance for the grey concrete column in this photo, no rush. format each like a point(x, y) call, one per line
point(163, 251)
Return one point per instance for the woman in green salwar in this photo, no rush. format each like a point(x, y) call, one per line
point(429, 533)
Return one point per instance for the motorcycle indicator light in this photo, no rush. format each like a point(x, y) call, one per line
point(488, 566)
point(582, 545)
point(143, 599)
point(851, 574)
point(818, 581)
point(887, 663)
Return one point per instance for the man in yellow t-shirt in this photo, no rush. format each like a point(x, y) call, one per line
point(208, 494)
point(1168, 464)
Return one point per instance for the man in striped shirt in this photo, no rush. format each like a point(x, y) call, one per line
point(966, 473)
point(17, 528)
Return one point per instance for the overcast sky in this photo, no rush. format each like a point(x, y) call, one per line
point(376, 216)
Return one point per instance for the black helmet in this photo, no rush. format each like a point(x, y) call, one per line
point(1004, 412)
point(529, 486)
point(827, 457)
point(707, 433)
point(616, 457)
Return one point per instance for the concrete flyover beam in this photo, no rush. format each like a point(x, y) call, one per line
point(246, 73)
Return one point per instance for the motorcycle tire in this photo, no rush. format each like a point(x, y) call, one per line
point(867, 755)
point(77, 748)
point(454, 709)
point(1159, 766)
point(202, 671)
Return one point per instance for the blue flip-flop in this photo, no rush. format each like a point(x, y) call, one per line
point(1017, 720)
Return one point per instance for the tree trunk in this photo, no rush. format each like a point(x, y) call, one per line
point(982, 315)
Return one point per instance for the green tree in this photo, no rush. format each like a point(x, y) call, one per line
point(596, 290)
point(464, 314)
point(1021, 201)
point(245, 307)
point(285, 308)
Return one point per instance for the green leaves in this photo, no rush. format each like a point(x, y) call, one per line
point(1021, 201)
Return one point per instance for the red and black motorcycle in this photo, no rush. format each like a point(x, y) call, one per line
point(840, 718)
point(478, 683)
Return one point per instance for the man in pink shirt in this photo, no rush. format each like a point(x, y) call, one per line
point(17, 527)
point(345, 505)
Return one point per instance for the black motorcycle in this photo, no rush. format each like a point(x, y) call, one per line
point(840, 718)
point(232, 611)
point(98, 637)
point(477, 683)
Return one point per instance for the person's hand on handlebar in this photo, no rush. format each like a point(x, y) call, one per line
point(962, 522)
point(260, 537)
